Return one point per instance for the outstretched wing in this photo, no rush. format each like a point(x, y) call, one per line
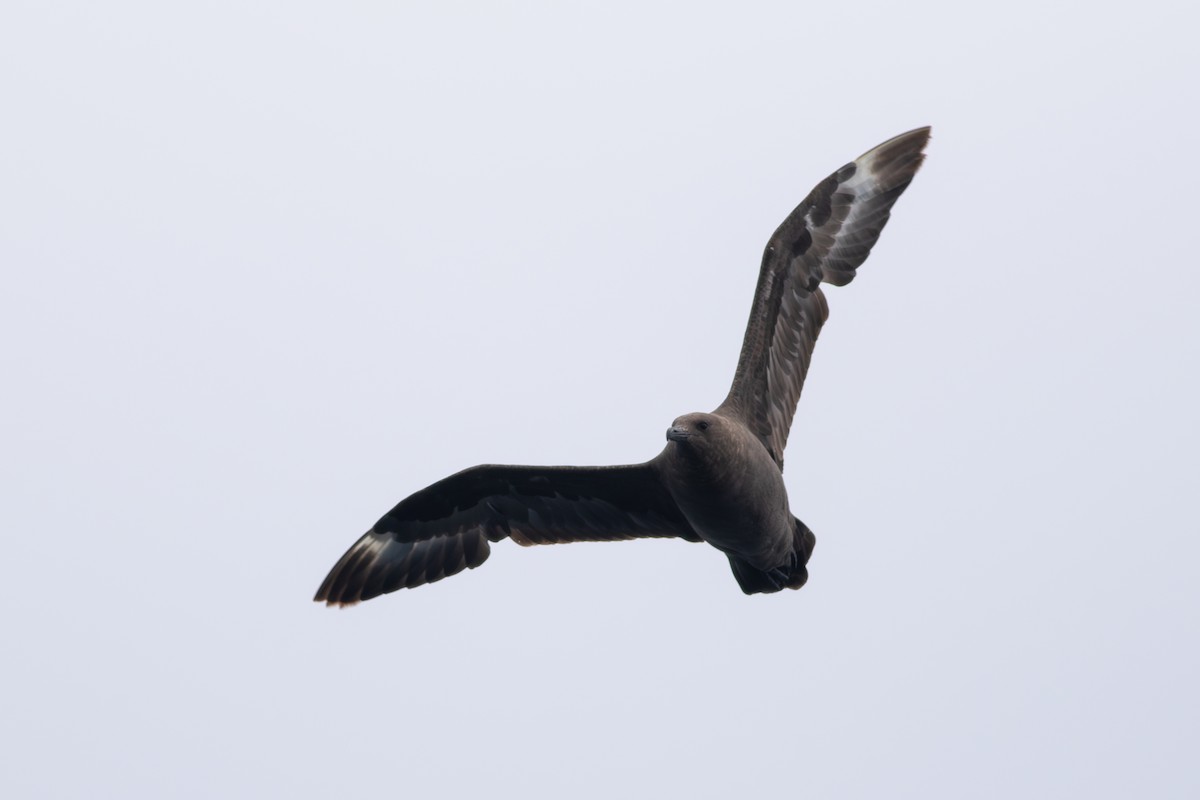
point(445, 528)
point(825, 240)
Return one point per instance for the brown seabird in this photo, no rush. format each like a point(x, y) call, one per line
point(719, 479)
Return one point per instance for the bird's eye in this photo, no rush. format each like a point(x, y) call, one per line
point(702, 426)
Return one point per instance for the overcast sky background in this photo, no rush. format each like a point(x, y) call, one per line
point(270, 267)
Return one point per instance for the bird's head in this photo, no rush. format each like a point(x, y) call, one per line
point(694, 430)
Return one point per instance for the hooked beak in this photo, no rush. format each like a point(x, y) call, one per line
point(677, 434)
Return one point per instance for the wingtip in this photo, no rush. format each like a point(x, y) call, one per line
point(921, 134)
point(907, 146)
point(892, 165)
point(322, 596)
point(378, 563)
point(340, 606)
point(343, 585)
point(906, 141)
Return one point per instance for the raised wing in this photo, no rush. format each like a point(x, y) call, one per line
point(825, 240)
point(445, 528)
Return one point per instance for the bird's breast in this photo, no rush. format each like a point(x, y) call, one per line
point(738, 504)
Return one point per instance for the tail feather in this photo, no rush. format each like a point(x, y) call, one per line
point(791, 575)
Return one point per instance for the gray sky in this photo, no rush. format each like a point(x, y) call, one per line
point(268, 268)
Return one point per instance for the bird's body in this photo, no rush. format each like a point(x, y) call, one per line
point(730, 490)
point(719, 479)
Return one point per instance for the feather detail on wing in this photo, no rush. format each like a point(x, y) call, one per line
point(446, 527)
point(825, 239)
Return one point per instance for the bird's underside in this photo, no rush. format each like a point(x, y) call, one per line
point(719, 479)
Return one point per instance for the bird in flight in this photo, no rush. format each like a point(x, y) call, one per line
point(720, 478)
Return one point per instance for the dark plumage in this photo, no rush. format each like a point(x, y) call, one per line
point(720, 477)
